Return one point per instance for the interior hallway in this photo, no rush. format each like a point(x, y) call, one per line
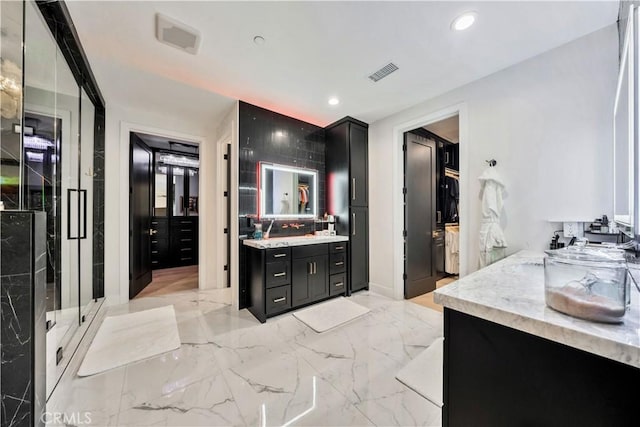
point(169, 280)
point(426, 300)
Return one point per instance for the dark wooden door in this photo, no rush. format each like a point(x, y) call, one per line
point(420, 221)
point(140, 181)
point(359, 249)
point(358, 167)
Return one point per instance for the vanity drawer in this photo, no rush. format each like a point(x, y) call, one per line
point(310, 250)
point(337, 247)
point(277, 274)
point(337, 284)
point(278, 299)
point(277, 254)
point(338, 263)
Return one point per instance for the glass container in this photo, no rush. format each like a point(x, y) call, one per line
point(588, 283)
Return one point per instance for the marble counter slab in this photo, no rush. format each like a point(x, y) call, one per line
point(511, 293)
point(279, 242)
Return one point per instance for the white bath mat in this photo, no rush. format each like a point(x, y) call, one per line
point(131, 337)
point(330, 314)
point(424, 373)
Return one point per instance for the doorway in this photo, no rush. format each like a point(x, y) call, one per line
point(431, 194)
point(164, 215)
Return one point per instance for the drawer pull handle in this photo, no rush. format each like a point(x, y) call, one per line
point(279, 274)
point(279, 255)
point(154, 252)
point(340, 263)
point(185, 249)
point(185, 259)
point(185, 240)
point(185, 229)
point(339, 248)
point(339, 284)
point(185, 222)
point(280, 299)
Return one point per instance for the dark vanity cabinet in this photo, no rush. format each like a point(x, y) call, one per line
point(310, 281)
point(282, 279)
point(347, 193)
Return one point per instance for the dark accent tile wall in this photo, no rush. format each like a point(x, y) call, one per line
point(23, 313)
point(98, 205)
point(272, 137)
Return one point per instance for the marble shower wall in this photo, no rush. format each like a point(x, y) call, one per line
point(23, 316)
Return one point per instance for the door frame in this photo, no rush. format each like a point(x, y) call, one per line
point(398, 183)
point(125, 159)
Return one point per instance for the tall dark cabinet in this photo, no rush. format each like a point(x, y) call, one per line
point(347, 193)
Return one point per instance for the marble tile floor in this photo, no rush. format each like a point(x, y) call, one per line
point(231, 370)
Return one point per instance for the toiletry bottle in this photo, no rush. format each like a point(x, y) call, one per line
point(257, 234)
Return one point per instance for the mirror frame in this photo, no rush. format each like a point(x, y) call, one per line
point(263, 167)
point(626, 223)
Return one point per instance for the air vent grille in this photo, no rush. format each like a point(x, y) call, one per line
point(383, 72)
point(177, 34)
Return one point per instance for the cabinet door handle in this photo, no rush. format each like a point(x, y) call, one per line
point(446, 157)
point(438, 216)
point(340, 263)
point(339, 248)
point(279, 255)
point(353, 188)
point(279, 299)
point(353, 225)
point(339, 284)
point(279, 274)
point(310, 268)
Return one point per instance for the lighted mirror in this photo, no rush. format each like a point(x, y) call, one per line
point(623, 138)
point(287, 192)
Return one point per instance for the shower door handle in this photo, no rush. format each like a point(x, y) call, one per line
point(70, 212)
point(83, 193)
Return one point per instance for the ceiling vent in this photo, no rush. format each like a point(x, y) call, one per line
point(383, 72)
point(176, 34)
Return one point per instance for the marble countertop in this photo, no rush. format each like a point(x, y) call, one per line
point(511, 293)
point(279, 242)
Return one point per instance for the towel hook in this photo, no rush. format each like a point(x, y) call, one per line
point(491, 162)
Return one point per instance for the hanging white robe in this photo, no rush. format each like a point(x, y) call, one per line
point(492, 241)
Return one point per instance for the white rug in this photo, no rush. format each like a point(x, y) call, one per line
point(424, 373)
point(131, 337)
point(330, 314)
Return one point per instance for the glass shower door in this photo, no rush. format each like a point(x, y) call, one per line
point(86, 201)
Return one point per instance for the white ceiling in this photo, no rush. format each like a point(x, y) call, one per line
point(315, 50)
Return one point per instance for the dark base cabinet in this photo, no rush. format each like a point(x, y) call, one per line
point(174, 242)
point(498, 376)
point(282, 279)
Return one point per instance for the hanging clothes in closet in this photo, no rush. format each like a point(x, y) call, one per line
point(452, 249)
point(452, 197)
point(303, 197)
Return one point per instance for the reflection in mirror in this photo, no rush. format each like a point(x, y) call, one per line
point(160, 191)
point(287, 192)
point(623, 138)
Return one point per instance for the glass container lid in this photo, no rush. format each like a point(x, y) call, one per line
point(588, 254)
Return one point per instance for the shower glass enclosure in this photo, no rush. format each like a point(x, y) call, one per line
point(48, 165)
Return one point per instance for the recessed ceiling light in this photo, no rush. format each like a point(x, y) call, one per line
point(334, 101)
point(464, 21)
point(259, 40)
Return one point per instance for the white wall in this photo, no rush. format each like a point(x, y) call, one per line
point(227, 133)
point(119, 120)
point(548, 123)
